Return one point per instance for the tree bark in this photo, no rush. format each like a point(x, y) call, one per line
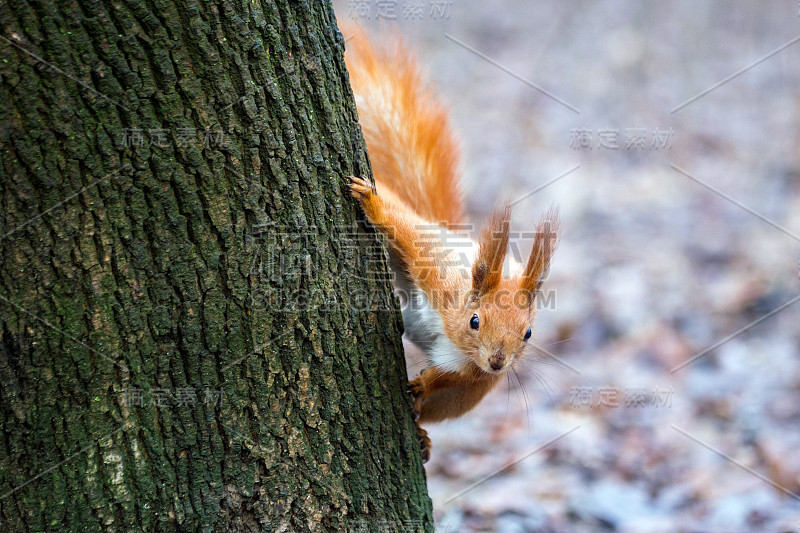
point(194, 333)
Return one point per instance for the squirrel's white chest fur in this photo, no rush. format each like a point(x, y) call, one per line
point(424, 328)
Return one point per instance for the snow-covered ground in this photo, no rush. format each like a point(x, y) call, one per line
point(670, 397)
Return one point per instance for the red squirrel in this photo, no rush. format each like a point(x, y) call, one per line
point(471, 321)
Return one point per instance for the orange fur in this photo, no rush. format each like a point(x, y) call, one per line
point(442, 395)
point(416, 203)
point(412, 151)
point(488, 268)
point(543, 247)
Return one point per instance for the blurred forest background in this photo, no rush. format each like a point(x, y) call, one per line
point(666, 393)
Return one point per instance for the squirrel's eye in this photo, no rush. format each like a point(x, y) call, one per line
point(527, 334)
point(473, 322)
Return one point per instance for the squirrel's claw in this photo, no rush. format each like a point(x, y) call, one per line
point(425, 445)
point(415, 389)
point(360, 188)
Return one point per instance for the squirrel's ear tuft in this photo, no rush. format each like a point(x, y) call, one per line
point(488, 268)
point(543, 247)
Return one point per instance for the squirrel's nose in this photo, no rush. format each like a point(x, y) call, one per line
point(496, 360)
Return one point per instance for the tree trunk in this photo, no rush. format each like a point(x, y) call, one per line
point(194, 333)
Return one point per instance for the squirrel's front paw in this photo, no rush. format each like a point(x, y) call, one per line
point(360, 188)
point(425, 444)
point(415, 389)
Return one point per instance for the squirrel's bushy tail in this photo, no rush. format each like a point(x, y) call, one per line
point(412, 150)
